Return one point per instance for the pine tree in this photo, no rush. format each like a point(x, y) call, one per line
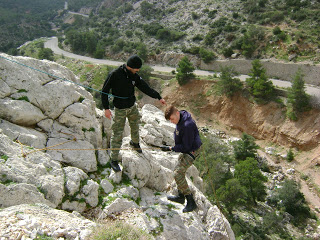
point(232, 194)
point(228, 84)
point(185, 71)
point(259, 85)
point(244, 148)
point(250, 176)
point(298, 99)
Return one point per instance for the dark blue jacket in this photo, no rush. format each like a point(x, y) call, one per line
point(186, 135)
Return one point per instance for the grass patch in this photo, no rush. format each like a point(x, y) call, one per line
point(4, 157)
point(118, 230)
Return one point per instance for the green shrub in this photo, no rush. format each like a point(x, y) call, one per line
point(227, 52)
point(276, 30)
point(206, 56)
point(290, 155)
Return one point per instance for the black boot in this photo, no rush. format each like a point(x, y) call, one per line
point(191, 204)
point(115, 166)
point(179, 199)
point(136, 146)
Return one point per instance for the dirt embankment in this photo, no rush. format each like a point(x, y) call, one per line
point(266, 122)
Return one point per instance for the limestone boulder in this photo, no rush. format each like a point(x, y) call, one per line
point(37, 169)
point(74, 177)
point(27, 136)
point(71, 152)
point(20, 112)
point(21, 193)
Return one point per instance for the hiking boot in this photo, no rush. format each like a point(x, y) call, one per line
point(136, 146)
point(179, 199)
point(191, 204)
point(115, 166)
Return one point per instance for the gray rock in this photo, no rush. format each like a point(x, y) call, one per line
point(90, 193)
point(21, 193)
point(74, 176)
point(74, 206)
point(85, 160)
point(20, 112)
point(106, 185)
point(26, 136)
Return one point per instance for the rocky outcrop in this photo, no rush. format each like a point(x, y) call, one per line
point(56, 158)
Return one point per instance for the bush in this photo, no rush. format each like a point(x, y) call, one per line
point(293, 201)
point(290, 155)
point(206, 56)
point(46, 53)
point(227, 52)
point(276, 30)
point(245, 148)
point(152, 28)
point(145, 72)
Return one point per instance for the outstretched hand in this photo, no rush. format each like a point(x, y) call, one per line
point(162, 101)
point(166, 148)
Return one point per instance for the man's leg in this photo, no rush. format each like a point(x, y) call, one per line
point(134, 121)
point(184, 162)
point(119, 121)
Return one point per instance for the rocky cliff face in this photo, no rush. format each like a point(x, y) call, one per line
point(40, 112)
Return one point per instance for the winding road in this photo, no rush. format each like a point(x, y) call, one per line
point(52, 43)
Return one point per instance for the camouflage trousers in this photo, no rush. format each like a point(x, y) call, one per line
point(119, 122)
point(184, 162)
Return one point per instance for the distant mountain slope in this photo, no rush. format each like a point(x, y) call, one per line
point(286, 29)
point(24, 20)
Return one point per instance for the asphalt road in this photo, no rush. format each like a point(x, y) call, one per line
point(52, 43)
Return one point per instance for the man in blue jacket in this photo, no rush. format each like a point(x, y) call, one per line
point(188, 143)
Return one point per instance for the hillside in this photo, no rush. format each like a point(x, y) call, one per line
point(284, 30)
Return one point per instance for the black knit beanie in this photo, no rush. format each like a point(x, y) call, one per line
point(134, 62)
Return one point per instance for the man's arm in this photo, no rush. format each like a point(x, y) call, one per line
point(105, 97)
point(145, 88)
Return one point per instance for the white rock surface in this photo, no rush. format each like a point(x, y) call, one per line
point(27, 136)
point(28, 220)
point(62, 116)
point(74, 176)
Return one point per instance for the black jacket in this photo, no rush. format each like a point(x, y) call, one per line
point(122, 82)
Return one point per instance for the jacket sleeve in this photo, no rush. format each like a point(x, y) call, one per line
point(187, 138)
point(105, 91)
point(145, 88)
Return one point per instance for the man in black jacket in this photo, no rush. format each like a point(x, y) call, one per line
point(122, 82)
